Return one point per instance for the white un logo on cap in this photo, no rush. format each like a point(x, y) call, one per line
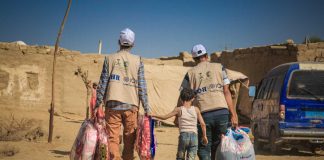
point(127, 37)
point(198, 50)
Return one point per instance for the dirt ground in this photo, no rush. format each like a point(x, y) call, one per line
point(66, 128)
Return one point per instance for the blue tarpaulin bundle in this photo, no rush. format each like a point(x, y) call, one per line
point(153, 140)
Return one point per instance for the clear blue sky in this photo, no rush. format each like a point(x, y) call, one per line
point(162, 27)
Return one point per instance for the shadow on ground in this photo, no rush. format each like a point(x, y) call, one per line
point(287, 152)
point(167, 144)
point(75, 121)
point(60, 153)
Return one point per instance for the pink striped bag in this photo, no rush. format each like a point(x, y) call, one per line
point(102, 151)
point(92, 140)
point(143, 139)
point(85, 143)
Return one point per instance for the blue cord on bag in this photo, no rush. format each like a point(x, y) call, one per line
point(237, 135)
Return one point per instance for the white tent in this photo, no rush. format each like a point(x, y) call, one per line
point(163, 84)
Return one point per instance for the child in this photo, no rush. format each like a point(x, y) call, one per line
point(187, 120)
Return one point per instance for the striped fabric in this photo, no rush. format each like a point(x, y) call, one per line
point(103, 83)
point(142, 88)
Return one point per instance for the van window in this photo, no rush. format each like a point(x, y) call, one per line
point(307, 84)
point(261, 89)
point(277, 87)
point(267, 89)
point(272, 88)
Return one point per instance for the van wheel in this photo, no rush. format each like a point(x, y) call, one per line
point(274, 148)
point(257, 145)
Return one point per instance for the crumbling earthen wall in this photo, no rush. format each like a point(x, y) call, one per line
point(26, 77)
point(311, 52)
point(255, 62)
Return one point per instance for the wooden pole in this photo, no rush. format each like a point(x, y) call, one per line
point(51, 121)
point(88, 95)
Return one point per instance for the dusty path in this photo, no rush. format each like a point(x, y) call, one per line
point(67, 125)
point(167, 147)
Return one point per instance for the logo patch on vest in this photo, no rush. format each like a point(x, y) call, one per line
point(121, 65)
point(210, 88)
point(130, 81)
point(114, 77)
point(117, 62)
point(205, 76)
point(208, 74)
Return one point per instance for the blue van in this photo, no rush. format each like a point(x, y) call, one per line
point(288, 107)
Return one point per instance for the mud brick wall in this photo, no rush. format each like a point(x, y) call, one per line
point(256, 62)
point(26, 77)
point(311, 52)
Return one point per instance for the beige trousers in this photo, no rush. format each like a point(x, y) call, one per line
point(127, 118)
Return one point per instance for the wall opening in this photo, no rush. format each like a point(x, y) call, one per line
point(32, 80)
point(4, 79)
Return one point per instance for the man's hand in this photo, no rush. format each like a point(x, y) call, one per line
point(148, 114)
point(234, 121)
point(204, 140)
point(232, 109)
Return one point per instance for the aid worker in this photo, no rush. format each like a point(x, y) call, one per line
point(121, 88)
point(213, 97)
